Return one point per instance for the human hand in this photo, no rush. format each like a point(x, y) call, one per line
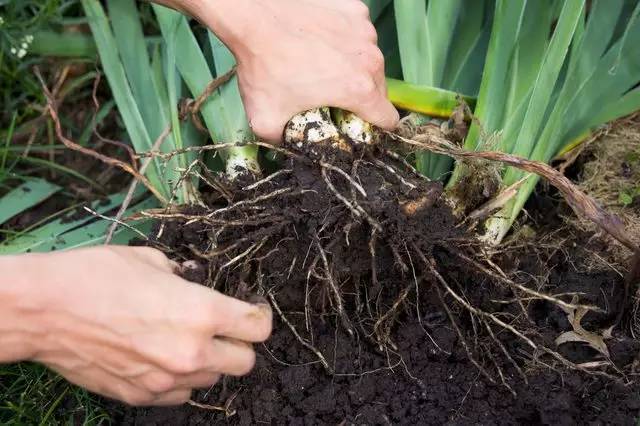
point(117, 321)
point(295, 55)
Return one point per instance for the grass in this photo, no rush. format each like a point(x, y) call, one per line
point(32, 395)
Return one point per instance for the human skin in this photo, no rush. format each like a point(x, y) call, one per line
point(118, 320)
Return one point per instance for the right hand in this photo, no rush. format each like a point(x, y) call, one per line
point(119, 322)
point(296, 55)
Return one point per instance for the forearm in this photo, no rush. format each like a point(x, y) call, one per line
point(20, 306)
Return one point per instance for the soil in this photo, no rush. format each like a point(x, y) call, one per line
point(418, 384)
point(396, 347)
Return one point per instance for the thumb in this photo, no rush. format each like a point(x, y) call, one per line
point(378, 110)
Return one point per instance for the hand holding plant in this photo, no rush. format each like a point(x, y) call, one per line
point(294, 55)
point(117, 321)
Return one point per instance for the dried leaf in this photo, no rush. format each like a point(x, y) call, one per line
point(594, 340)
point(579, 334)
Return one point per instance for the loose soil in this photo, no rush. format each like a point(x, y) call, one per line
point(380, 338)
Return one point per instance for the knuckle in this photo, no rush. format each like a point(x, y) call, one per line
point(262, 125)
point(265, 328)
point(209, 317)
point(377, 59)
point(152, 254)
point(370, 32)
point(113, 253)
point(373, 60)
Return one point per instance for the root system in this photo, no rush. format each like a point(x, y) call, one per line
point(356, 240)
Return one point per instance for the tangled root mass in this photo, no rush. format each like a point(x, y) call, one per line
point(357, 239)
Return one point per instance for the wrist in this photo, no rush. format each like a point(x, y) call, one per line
point(233, 21)
point(22, 305)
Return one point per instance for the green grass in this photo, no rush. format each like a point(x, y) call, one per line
point(32, 395)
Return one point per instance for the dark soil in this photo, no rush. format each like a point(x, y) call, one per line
point(399, 348)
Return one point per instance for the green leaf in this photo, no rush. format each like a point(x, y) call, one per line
point(468, 48)
point(530, 51)
point(427, 100)
point(95, 233)
point(546, 79)
point(127, 29)
point(442, 16)
point(63, 45)
point(413, 39)
point(237, 124)
point(51, 235)
point(195, 71)
point(625, 198)
point(617, 72)
point(121, 90)
point(185, 135)
point(25, 196)
point(504, 35)
point(388, 43)
point(626, 105)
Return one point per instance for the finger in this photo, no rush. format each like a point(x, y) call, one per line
point(200, 380)
point(99, 381)
point(222, 315)
point(377, 110)
point(188, 355)
point(175, 397)
point(156, 381)
point(228, 356)
point(265, 124)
